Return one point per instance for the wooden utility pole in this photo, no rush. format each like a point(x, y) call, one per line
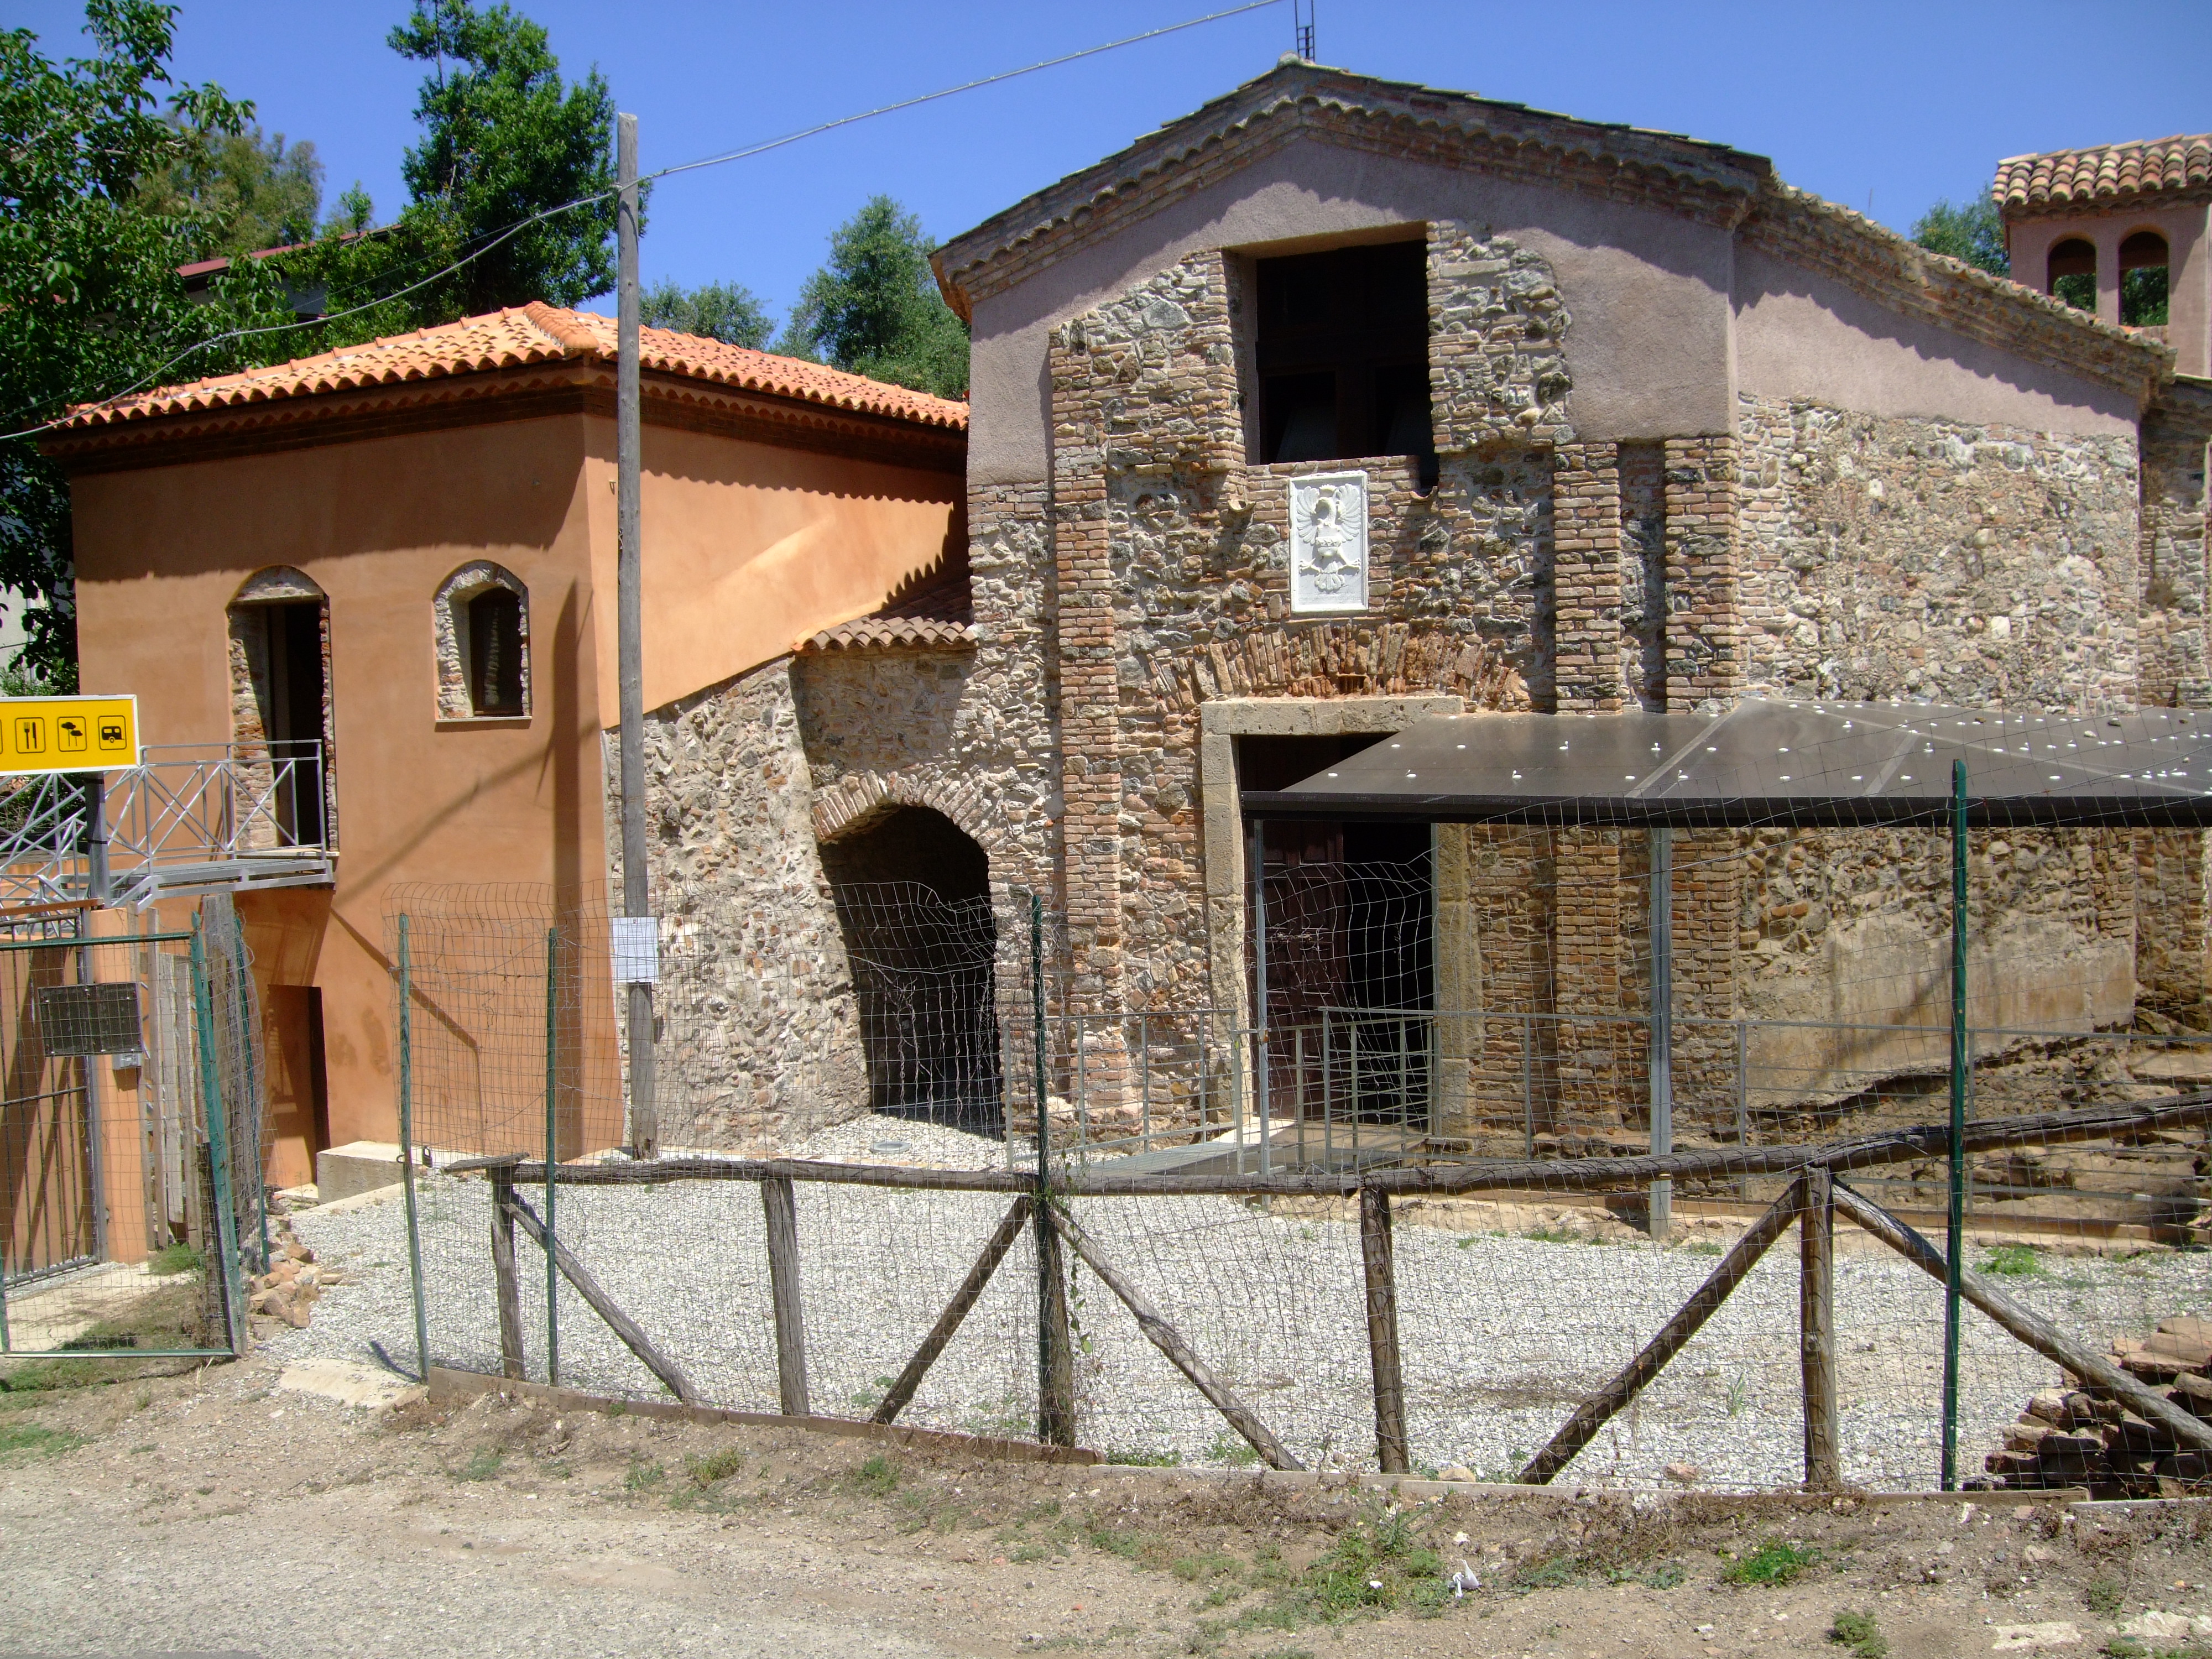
point(637, 900)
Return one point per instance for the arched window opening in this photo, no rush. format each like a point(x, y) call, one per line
point(913, 894)
point(2074, 272)
point(496, 652)
point(483, 621)
point(280, 671)
point(2143, 280)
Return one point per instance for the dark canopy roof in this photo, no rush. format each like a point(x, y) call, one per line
point(1767, 761)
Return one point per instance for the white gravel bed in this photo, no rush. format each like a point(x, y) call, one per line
point(1501, 1336)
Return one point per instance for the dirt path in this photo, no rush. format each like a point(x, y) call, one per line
point(216, 1512)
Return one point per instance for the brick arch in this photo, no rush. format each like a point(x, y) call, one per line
point(275, 583)
point(865, 799)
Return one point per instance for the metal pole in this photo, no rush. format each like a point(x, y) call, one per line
point(1743, 1099)
point(252, 1076)
point(1263, 1107)
point(225, 1218)
point(407, 1158)
point(99, 888)
point(1056, 1363)
point(1328, 1099)
point(1954, 1232)
point(637, 899)
point(1661, 1211)
point(552, 1156)
point(1528, 1083)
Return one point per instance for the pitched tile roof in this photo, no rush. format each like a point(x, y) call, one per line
point(931, 610)
point(535, 334)
point(2107, 172)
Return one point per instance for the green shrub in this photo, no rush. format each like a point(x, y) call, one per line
point(716, 1466)
point(2015, 1261)
point(178, 1258)
point(1777, 1561)
point(1858, 1632)
point(879, 1477)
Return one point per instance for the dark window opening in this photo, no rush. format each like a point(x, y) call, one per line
point(2143, 280)
point(2074, 273)
point(1351, 949)
point(496, 652)
point(292, 721)
point(1340, 349)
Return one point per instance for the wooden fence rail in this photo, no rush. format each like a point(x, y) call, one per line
point(1813, 1201)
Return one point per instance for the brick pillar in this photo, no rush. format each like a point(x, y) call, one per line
point(1708, 898)
point(1586, 982)
point(1586, 577)
point(1704, 624)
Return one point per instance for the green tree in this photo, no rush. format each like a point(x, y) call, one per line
point(1973, 232)
point(90, 302)
point(729, 311)
point(250, 190)
point(2143, 297)
point(503, 138)
point(874, 308)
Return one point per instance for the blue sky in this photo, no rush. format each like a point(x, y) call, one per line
point(1870, 102)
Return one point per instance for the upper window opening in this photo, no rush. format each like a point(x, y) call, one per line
point(1340, 351)
point(482, 615)
point(2074, 273)
point(496, 652)
point(2143, 280)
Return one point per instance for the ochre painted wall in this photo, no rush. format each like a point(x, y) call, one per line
point(748, 547)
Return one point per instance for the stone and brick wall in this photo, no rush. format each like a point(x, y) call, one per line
point(1932, 559)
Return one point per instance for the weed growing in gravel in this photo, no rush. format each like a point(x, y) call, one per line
point(1199, 1569)
point(644, 1476)
point(483, 1465)
point(1551, 1573)
point(715, 1466)
point(877, 1478)
point(1232, 1449)
point(1703, 1247)
point(1858, 1633)
point(36, 1438)
point(1376, 1564)
point(2104, 1595)
point(1739, 1393)
point(1140, 1457)
point(1778, 1561)
point(2017, 1260)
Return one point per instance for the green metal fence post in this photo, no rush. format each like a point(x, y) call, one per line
point(226, 1218)
point(1954, 1236)
point(1055, 1360)
point(407, 1158)
point(246, 1053)
point(552, 1158)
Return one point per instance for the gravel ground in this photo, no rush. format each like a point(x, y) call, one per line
point(1501, 1336)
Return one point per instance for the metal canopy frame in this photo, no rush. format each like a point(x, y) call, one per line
point(1826, 765)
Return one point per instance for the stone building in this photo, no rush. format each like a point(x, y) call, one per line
point(1340, 401)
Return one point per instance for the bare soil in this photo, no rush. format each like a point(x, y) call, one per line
point(212, 1511)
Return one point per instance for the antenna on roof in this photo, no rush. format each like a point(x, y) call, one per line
point(1302, 19)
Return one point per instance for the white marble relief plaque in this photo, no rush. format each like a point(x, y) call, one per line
point(1329, 542)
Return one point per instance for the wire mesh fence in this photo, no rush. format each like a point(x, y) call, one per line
point(131, 1148)
point(1590, 1076)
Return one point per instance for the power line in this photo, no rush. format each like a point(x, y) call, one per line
point(750, 150)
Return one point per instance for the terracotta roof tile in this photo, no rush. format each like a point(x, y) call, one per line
point(2074, 177)
point(534, 333)
point(931, 610)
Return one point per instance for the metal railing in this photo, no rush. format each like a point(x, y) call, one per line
point(187, 818)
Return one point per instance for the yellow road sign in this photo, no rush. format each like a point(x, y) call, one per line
point(67, 734)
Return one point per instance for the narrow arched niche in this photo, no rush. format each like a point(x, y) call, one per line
point(481, 626)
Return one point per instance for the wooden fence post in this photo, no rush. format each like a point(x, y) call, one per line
point(1816, 1327)
point(781, 1210)
point(502, 1266)
point(1377, 1257)
point(1056, 1403)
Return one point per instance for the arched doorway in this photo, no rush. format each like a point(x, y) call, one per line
point(912, 893)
